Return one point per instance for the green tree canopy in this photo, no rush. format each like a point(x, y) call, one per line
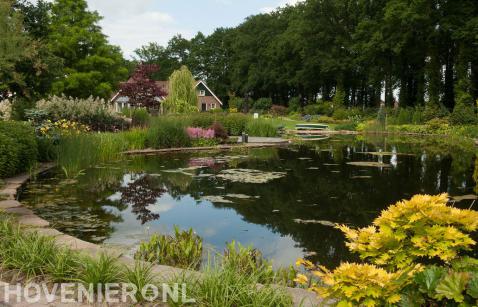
point(92, 66)
point(182, 96)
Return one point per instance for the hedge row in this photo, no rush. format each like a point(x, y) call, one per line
point(18, 148)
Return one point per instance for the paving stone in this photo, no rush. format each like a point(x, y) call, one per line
point(9, 192)
point(33, 221)
point(77, 244)
point(49, 232)
point(8, 204)
point(20, 211)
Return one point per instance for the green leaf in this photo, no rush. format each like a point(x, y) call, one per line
point(428, 280)
point(452, 286)
point(472, 289)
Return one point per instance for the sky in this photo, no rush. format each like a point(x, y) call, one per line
point(133, 23)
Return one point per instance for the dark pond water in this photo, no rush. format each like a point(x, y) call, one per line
point(281, 200)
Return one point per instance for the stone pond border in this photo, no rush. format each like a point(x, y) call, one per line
point(9, 203)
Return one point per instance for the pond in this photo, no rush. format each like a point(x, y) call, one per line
point(282, 201)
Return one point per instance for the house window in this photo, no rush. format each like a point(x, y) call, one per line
point(213, 105)
point(202, 93)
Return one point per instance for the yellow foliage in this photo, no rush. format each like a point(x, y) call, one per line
point(360, 284)
point(423, 226)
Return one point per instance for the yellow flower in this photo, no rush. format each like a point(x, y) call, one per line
point(301, 279)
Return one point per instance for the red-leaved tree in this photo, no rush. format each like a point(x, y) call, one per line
point(140, 89)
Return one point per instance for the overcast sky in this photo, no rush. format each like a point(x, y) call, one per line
point(133, 23)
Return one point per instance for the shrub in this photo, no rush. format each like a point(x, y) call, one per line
point(24, 137)
point(167, 133)
point(407, 235)
point(438, 125)
point(237, 103)
point(20, 107)
point(420, 228)
point(325, 108)
point(261, 128)
point(312, 109)
point(235, 124)
point(9, 152)
point(463, 114)
point(203, 120)
point(277, 110)
point(183, 250)
point(359, 284)
point(341, 113)
point(140, 117)
point(294, 104)
point(432, 111)
point(96, 113)
point(263, 104)
point(446, 285)
point(219, 131)
point(339, 98)
point(5, 109)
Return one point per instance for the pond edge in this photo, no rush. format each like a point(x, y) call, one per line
point(9, 203)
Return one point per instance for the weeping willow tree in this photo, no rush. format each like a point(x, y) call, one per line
point(182, 97)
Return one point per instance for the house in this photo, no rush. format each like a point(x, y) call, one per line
point(207, 100)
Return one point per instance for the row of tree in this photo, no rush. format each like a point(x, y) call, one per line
point(56, 48)
point(412, 52)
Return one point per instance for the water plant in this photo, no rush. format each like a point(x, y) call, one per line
point(262, 128)
point(167, 132)
point(183, 249)
point(247, 260)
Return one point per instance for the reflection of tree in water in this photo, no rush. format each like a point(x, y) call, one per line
point(141, 193)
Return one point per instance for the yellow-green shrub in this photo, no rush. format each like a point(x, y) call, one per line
point(355, 284)
point(422, 227)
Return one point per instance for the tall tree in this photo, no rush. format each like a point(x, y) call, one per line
point(182, 96)
point(14, 47)
point(92, 66)
point(141, 90)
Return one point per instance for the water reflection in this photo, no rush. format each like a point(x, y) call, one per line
point(140, 192)
point(124, 203)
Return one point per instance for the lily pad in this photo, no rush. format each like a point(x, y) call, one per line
point(464, 197)
point(216, 199)
point(241, 196)
point(249, 175)
point(324, 223)
point(386, 153)
point(369, 164)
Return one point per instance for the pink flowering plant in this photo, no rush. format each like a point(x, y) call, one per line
point(200, 133)
point(202, 137)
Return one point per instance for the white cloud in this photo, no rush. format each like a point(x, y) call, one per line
point(281, 3)
point(131, 24)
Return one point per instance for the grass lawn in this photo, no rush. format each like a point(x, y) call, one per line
point(284, 121)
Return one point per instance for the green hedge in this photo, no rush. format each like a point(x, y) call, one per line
point(19, 149)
